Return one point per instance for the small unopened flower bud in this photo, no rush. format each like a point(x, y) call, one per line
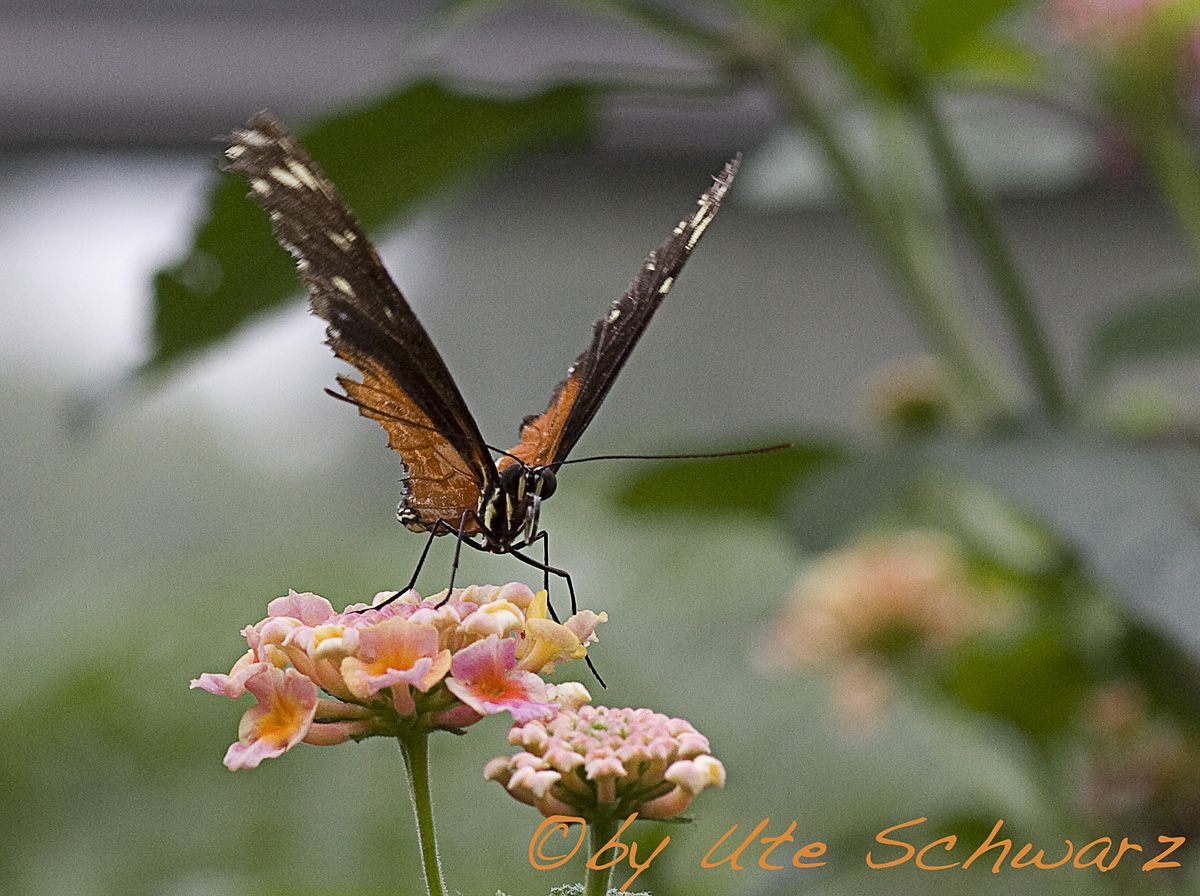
point(909, 395)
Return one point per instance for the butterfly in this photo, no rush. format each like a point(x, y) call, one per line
point(450, 483)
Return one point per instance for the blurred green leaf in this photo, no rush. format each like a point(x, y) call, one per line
point(843, 498)
point(941, 28)
point(994, 529)
point(753, 484)
point(385, 158)
point(1126, 511)
point(1035, 682)
point(1118, 512)
point(1169, 673)
point(849, 33)
point(882, 42)
point(991, 60)
point(1147, 330)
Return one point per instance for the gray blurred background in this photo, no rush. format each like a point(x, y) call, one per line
point(133, 550)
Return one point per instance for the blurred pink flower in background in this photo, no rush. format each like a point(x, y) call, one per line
point(881, 601)
point(885, 593)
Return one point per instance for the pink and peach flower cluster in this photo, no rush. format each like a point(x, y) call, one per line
point(859, 610)
point(594, 761)
point(323, 677)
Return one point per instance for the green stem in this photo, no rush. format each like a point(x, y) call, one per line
point(596, 882)
point(993, 251)
point(935, 309)
point(414, 746)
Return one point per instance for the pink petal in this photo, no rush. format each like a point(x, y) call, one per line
point(396, 651)
point(485, 679)
point(328, 734)
point(402, 700)
point(363, 682)
point(308, 608)
point(287, 703)
point(584, 623)
point(491, 657)
point(458, 716)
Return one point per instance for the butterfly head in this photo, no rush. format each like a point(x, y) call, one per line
point(517, 503)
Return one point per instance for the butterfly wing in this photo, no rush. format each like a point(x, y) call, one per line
point(548, 437)
point(404, 385)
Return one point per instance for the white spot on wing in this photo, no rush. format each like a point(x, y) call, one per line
point(302, 173)
point(613, 315)
point(338, 240)
point(260, 186)
point(666, 286)
point(698, 232)
point(286, 178)
point(343, 285)
point(255, 138)
point(235, 152)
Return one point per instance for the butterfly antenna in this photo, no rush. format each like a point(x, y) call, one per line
point(747, 451)
point(505, 453)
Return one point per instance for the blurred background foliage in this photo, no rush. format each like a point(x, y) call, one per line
point(977, 603)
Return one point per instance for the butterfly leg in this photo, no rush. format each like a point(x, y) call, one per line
point(547, 569)
point(544, 538)
point(412, 582)
point(458, 543)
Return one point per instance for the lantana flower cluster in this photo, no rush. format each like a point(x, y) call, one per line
point(600, 762)
point(892, 592)
point(323, 677)
point(858, 608)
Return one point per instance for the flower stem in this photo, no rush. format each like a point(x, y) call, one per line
point(936, 310)
point(765, 57)
point(414, 746)
point(596, 882)
point(993, 250)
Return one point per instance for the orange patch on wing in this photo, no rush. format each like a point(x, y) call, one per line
point(540, 437)
point(439, 480)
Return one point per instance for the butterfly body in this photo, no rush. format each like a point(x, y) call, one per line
point(450, 482)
